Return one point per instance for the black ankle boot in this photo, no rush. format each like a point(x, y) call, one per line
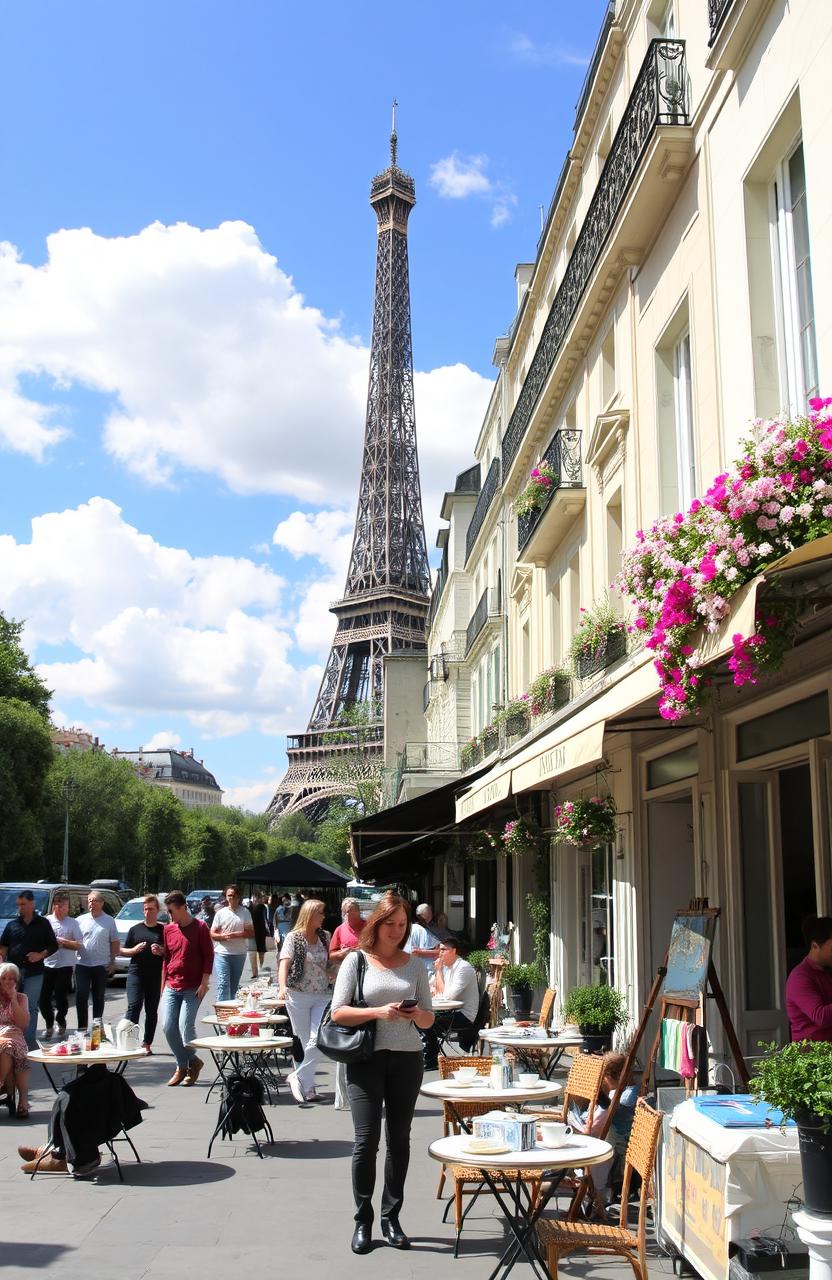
point(393, 1233)
point(362, 1238)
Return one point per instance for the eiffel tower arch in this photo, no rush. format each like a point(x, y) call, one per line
point(386, 597)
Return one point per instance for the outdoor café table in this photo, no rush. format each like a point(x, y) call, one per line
point(107, 1055)
point(526, 1047)
point(230, 1054)
point(480, 1091)
point(242, 1019)
point(503, 1175)
point(444, 1026)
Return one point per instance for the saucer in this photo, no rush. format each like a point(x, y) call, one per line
point(485, 1148)
point(538, 1084)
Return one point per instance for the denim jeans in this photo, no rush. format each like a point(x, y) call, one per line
point(229, 971)
point(178, 1010)
point(30, 987)
point(89, 978)
point(143, 989)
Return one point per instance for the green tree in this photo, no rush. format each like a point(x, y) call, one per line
point(18, 679)
point(26, 754)
point(161, 836)
point(104, 812)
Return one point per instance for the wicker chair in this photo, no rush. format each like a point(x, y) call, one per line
point(223, 1012)
point(447, 1066)
point(559, 1238)
point(539, 1056)
point(582, 1088)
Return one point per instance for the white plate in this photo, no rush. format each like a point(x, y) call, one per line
point(498, 1149)
point(467, 1084)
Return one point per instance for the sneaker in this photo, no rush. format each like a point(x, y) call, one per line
point(84, 1170)
point(295, 1086)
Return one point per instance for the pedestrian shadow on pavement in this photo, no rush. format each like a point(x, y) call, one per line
point(312, 1148)
point(32, 1255)
point(176, 1173)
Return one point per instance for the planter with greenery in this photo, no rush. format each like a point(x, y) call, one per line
point(542, 483)
point(480, 959)
point(796, 1078)
point(470, 754)
point(520, 981)
point(597, 1012)
point(600, 640)
point(586, 823)
point(550, 691)
point(514, 716)
point(490, 739)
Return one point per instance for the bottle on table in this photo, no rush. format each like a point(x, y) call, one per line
point(95, 1034)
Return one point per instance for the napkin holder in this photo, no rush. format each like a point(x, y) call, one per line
point(515, 1131)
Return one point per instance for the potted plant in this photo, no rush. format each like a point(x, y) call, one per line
point(470, 754)
point(518, 837)
point(585, 823)
point(489, 739)
point(597, 1011)
point(542, 482)
point(520, 981)
point(514, 716)
point(550, 691)
point(797, 1079)
point(600, 640)
point(480, 960)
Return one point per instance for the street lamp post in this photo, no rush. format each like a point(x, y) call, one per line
point(69, 789)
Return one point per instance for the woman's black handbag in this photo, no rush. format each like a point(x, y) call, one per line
point(348, 1044)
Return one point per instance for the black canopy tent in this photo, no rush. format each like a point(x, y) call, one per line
point(296, 871)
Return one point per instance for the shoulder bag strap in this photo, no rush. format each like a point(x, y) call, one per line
point(359, 984)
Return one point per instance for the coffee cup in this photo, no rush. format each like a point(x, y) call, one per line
point(528, 1078)
point(509, 1022)
point(554, 1134)
point(465, 1074)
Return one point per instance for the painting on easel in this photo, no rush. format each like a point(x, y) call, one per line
point(689, 956)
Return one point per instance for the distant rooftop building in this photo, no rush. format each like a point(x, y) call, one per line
point(184, 775)
point(73, 739)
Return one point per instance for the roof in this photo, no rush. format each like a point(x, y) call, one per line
point(294, 871)
point(168, 763)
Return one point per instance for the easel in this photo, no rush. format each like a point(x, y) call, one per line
point(683, 1007)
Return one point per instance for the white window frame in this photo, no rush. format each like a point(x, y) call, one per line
point(786, 306)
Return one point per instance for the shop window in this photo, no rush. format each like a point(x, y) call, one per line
point(674, 388)
point(797, 722)
point(795, 308)
point(674, 767)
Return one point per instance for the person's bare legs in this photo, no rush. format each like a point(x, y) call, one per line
point(21, 1080)
point(6, 1073)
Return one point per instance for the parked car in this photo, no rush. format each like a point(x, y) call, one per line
point(133, 913)
point(194, 898)
point(121, 887)
point(45, 891)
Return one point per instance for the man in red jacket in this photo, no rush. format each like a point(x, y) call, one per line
point(809, 985)
point(186, 972)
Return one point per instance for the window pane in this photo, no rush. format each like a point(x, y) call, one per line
point(783, 728)
point(673, 767)
point(756, 885)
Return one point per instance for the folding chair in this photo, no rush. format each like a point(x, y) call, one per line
point(559, 1238)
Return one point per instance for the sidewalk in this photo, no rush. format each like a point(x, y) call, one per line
point(178, 1214)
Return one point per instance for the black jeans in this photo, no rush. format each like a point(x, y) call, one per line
point(390, 1080)
point(89, 978)
point(144, 989)
point(55, 990)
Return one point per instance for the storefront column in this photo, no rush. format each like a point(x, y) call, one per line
point(816, 1234)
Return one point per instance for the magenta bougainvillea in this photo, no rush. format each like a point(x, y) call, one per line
point(684, 569)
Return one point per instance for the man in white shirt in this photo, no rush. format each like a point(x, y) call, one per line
point(231, 929)
point(58, 968)
point(421, 942)
point(456, 979)
point(96, 960)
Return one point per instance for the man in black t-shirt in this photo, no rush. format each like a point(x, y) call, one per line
point(144, 945)
point(26, 941)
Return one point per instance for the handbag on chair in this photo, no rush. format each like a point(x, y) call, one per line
point(348, 1044)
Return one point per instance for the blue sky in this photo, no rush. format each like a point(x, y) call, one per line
point(185, 301)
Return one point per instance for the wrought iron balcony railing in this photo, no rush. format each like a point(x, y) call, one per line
point(563, 453)
point(659, 97)
point(492, 484)
point(487, 607)
point(717, 10)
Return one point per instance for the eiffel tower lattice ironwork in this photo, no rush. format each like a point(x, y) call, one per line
point(387, 592)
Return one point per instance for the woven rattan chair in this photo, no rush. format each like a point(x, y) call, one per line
point(582, 1089)
point(223, 1012)
point(447, 1066)
point(537, 1057)
point(559, 1238)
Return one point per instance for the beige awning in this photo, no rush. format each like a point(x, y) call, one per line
point(559, 754)
point(494, 787)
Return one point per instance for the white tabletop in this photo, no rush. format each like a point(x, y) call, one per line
point(480, 1091)
point(560, 1040)
point(242, 1019)
point(579, 1152)
point(441, 1005)
point(86, 1057)
point(241, 1044)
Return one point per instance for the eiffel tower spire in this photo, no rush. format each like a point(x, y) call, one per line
point(387, 591)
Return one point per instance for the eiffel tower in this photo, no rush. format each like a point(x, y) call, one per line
point(385, 601)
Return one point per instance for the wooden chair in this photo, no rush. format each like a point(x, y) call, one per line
point(559, 1238)
point(547, 1004)
point(447, 1066)
point(582, 1089)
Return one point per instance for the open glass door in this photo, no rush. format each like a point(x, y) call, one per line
point(757, 913)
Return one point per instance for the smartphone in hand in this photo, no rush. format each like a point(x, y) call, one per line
point(408, 1004)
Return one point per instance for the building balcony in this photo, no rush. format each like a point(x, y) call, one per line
point(488, 609)
point(540, 532)
point(733, 25)
point(487, 492)
point(652, 149)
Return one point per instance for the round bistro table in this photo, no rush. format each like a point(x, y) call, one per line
point(480, 1091)
point(527, 1046)
point(239, 1055)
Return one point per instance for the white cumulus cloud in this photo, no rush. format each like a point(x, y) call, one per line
point(535, 53)
point(162, 740)
point(210, 357)
point(456, 177)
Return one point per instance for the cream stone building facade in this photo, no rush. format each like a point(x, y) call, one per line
point(678, 291)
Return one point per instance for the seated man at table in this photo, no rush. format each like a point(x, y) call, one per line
point(456, 979)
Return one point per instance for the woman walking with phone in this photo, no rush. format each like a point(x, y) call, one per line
point(397, 994)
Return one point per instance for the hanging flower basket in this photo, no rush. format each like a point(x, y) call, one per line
point(586, 823)
point(518, 837)
point(550, 691)
point(542, 480)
